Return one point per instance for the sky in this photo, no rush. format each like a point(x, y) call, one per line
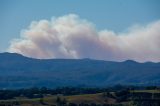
point(113, 29)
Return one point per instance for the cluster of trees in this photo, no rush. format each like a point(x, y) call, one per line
point(40, 92)
point(119, 96)
point(145, 98)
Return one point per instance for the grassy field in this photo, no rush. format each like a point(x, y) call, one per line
point(90, 98)
point(52, 100)
point(149, 91)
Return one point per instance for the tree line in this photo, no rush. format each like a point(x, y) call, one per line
point(36, 92)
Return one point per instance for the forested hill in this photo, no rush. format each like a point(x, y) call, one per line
point(17, 71)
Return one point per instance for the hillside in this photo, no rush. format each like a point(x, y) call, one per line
point(17, 71)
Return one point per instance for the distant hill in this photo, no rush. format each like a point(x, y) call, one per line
point(17, 71)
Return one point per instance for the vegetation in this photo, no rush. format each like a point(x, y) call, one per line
point(72, 96)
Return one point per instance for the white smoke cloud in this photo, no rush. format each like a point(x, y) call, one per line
point(71, 37)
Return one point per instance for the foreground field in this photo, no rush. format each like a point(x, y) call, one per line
point(63, 100)
point(122, 98)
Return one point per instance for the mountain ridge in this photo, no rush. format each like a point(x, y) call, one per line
point(17, 54)
point(18, 71)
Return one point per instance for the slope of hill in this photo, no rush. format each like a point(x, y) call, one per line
point(17, 71)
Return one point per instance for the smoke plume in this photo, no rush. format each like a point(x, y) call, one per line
point(70, 36)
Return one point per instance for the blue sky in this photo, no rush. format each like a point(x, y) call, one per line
point(116, 15)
